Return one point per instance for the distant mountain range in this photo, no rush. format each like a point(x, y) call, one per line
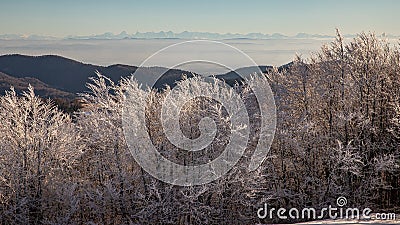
point(195, 35)
point(172, 35)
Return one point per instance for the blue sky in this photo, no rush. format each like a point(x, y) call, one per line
point(73, 17)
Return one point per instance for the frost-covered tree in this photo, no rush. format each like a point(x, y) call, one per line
point(110, 178)
point(335, 120)
point(37, 152)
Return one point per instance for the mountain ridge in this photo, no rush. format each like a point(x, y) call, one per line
point(57, 71)
point(21, 84)
point(70, 76)
point(59, 77)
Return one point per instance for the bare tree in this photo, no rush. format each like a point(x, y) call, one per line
point(38, 148)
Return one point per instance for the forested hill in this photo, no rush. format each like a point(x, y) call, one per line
point(58, 72)
point(66, 75)
point(58, 77)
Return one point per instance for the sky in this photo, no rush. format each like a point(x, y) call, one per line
point(60, 18)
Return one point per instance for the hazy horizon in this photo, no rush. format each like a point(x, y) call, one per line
point(134, 52)
point(54, 18)
point(153, 35)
